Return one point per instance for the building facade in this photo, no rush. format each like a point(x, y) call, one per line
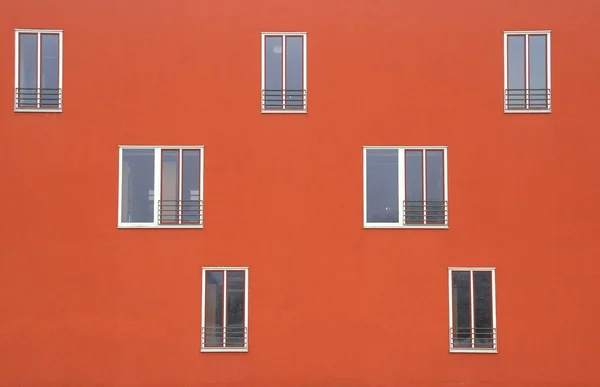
point(361, 193)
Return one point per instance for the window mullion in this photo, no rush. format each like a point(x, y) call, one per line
point(39, 69)
point(180, 204)
point(283, 76)
point(424, 168)
point(224, 308)
point(157, 181)
point(401, 187)
point(527, 91)
point(472, 302)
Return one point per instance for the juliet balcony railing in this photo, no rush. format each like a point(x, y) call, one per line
point(473, 338)
point(526, 99)
point(180, 212)
point(426, 213)
point(283, 100)
point(225, 338)
point(35, 98)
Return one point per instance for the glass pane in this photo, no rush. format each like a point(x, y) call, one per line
point(27, 70)
point(190, 206)
point(436, 209)
point(413, 209)
point(137, 196)
point(516, 71)
point(49, 70)
point(273, 72)
point(213, 309)
point(482, 289)
point(382, 186)
point(461, 309)
point(538, 79)
point(169, 195)
point(294, 72)
point(235, 309)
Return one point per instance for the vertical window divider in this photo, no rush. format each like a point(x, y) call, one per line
point(494, 339)
point(157, 183)
point(180, 191)
point(527, 68)
point(472, 304)
point(424, 161)
point(224, 308)
point(401, 187)
point(39, 68)
point(283, 65)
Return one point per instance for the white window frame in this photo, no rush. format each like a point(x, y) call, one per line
point(263, 68)
point(39, 32)
point(157, 184)
point(401, 186)
point(548, 68)
point(473, 349)
point(225, 269)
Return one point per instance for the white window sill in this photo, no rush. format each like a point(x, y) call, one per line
point(35, 110)
point(525, 111)
point(467, 350)
point(290, 111)
point(238, 350)
point(396, 225)
point(160, 226)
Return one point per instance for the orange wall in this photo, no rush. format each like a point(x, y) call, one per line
point(83, 303)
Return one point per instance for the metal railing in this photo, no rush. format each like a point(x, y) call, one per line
point(473, 338)
point(527, 99)
point(428, 212)
point(224, 337)
point(273, 99)
point(35, 98)
point(180, 212)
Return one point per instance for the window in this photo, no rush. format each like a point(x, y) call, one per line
point(160, 187)
point(472, 309)
point(527, 71)
point(38, 70)
point(405, 187)
point(224, 309)
point(283, 72)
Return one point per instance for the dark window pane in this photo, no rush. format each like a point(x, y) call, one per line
point(273, 72)
point(482, 289)
point(49, 70)
point(294, 72)
point(213, 309)
point(436, 212)
point(137, 195)
point(235, 309)
point(414, 186)
point(27, 70)
point(191, 186)
point(169, 206)
point(382, 186)
point(516, 71)
point(538, 79)
point(461, 308)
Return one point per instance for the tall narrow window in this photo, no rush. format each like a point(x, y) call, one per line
point(160, 187)
point(38, 70)
point(405, 187)
point(284, 72)
point(527, 71)
point(225, 309)
point(472, 309)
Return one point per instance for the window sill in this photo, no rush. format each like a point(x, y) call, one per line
point(534, 111)
point(489, 350)
point(41, 110)
point(291, 111)
point(396, 225)
point(238, 350)
point(160, 226)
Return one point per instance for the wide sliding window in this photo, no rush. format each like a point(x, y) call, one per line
point(283, 72)
point(160, 186)
point(38, 70)
point(472, 309)
point(527, 71)
point(224, 309)
point(405, 187)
